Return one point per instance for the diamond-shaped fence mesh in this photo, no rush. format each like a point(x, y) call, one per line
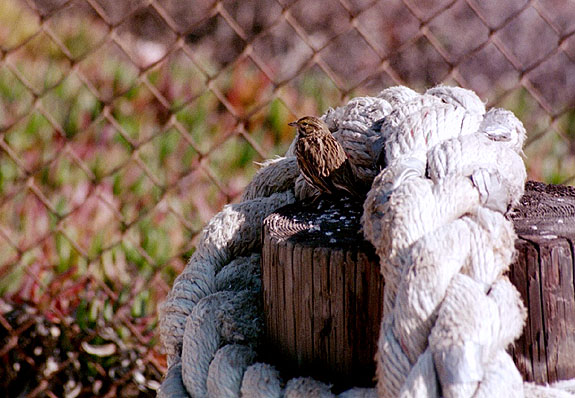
point(125, 125)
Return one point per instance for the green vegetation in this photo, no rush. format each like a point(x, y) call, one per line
point(108, 172)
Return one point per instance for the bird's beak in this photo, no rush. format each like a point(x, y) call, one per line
point(292, 124)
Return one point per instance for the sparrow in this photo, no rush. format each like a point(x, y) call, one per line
point(322, 160)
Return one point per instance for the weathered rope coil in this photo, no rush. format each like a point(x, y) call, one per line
point(436, 216)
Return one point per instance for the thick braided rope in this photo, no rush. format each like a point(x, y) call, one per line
point(443, 248)
point(435, 216)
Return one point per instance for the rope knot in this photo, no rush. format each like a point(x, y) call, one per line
point(444, 173)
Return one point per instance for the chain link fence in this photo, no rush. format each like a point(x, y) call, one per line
point(126, 125)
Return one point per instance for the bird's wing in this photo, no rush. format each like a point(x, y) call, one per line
point(311, 164)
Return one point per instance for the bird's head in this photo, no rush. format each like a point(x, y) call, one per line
point(308, 125)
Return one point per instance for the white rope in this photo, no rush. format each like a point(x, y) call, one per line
point(435, 215)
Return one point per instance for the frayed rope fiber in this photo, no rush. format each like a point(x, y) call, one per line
point(443, 174)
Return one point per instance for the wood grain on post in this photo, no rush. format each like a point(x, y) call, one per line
point(543, 274)
point(323, 290)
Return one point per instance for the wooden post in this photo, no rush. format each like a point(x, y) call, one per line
point(323, 290)
point(322, 293)
point(543, 274)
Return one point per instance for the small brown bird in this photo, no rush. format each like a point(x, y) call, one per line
point(322, 160)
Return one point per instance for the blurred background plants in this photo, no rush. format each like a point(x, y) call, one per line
point(126, 125)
